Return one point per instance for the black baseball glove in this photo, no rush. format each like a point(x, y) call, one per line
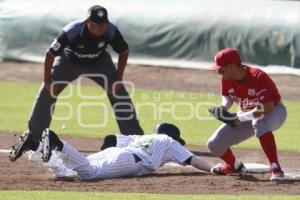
point(222, 115)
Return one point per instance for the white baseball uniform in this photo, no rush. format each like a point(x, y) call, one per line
point(110, 163)
point(152, 150)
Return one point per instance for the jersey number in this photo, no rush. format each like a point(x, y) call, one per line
point(55, 45)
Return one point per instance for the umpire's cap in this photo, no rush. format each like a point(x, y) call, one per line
point(97, 14)
point(170, 130)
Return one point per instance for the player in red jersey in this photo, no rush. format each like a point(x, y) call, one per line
point(262, 112)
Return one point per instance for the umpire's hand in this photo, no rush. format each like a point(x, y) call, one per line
point(116, 88)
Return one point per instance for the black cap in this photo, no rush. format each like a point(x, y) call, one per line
point(170, 130)
point(97, 14)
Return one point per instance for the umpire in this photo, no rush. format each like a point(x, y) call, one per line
point(80, 49)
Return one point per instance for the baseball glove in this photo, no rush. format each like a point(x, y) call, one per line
point(222, 115)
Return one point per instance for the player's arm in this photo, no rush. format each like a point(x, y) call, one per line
point(49, 59)
point(265, 95)
point(183, 156)
point(227, 102)
point(258, 112)
point(120, 46)
point(221, 112)
point(54, 50)
point(232, 119)
point(266, 109)
point(125, 140)
point(122, 62)
point(198, 163)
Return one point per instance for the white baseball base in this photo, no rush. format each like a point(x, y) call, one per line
point(256, 168)
point(4, 151)
point(290, 174)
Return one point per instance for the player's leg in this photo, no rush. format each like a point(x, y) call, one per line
point(72, 158)
point(115, 162)
point(63, 72)
point(121, 103)
point(50, 141)
point(43, 107)
point(110, 163)
point(25, 142)
point(264, 131)
point(220, 142)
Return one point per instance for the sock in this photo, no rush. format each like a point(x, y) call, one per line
point(229, 158)
point(58, 143)
point(268, 144)
point(34, 141)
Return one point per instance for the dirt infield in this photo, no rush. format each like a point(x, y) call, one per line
point(27, 175)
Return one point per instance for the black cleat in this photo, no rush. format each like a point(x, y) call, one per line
point(50, 142)
point(27, 141)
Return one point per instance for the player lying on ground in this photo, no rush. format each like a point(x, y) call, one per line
point(262, 112)
point(139, 155)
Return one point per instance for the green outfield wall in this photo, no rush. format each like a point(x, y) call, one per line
point(266, 32)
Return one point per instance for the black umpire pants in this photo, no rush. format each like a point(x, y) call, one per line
point(65, 72)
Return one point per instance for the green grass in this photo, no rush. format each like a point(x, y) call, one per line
point(153, 107)
point(37, 195)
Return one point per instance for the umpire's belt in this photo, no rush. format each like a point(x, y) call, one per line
point(136, 158)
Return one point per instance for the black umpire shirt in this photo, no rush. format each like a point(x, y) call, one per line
point(81, 47)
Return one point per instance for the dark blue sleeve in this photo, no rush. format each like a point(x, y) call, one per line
point(70, 33)
point(58, 44)
point(117, 41)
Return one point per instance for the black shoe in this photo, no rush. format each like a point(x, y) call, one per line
point(50, 142)
point(109, 141)
point(27, 141)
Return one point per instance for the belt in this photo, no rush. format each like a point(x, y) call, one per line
point(136, 158)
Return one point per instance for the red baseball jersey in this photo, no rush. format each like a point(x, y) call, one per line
point(257, 88)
